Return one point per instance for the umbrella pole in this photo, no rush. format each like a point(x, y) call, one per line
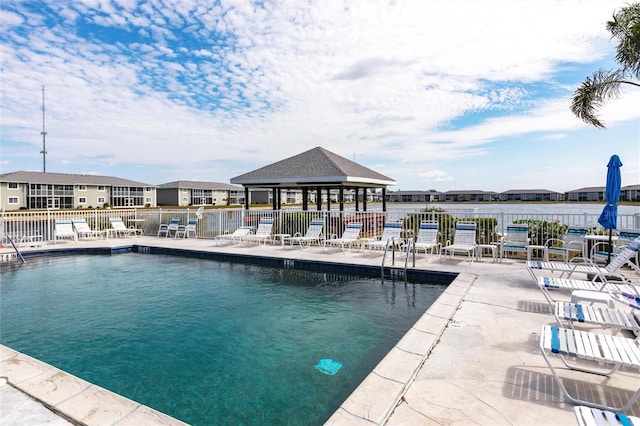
point(609, 249)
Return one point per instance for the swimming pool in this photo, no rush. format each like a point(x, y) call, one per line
point(205, 341)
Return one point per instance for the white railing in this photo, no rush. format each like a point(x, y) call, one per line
point(27, 224)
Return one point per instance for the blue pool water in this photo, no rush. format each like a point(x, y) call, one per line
point(204, 341)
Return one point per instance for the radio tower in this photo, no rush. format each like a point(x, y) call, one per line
point(44, 136)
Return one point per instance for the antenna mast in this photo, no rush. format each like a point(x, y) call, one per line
point(44, 136)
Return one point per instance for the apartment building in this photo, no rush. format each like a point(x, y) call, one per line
point(38, 190)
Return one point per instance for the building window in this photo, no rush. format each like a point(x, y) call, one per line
point(148, 200)
point(13, 185)
point(13, 200)
point(100, 200)
point(185, 200)
point(101, 188)
point(82, 200)
point(82, 187)
point(147, 189)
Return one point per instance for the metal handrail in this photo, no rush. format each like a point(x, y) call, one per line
point(15, 248)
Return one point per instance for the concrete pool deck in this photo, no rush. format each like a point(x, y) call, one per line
point(472, 358)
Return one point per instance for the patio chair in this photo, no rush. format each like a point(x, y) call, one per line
point(313, 235)
point(350, 235)
point(515, 240)
point(390, 237)
point(600, 251)
point(189, 229)
point(464, 241)
point(64, 229)
point(572, 242)
point(236, 236)
point(172, 227)
point(427, 238)
point(602, 349)
point(587, 416)
point(83, 230)
point(120, 229)
point(263, 233)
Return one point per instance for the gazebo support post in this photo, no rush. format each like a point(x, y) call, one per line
point(279, 198)
point(318, 198)
point(274, 198)
point(384, 199)
point(328, 199)
point(364, 198)
point(305, 199)
point(357, 191)
point(246, 198)
point(341, 198)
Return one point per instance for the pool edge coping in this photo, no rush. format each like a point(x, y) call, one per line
point(397, 370)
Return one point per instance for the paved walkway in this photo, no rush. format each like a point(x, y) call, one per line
point(473, 357)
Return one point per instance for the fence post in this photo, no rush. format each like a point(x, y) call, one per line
point(636, 221)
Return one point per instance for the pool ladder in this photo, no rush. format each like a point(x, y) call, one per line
point(18, 254)
point(393, 271)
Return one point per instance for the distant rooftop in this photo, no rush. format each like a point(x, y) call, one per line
point(68, 179)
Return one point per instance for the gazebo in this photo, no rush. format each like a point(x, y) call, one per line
point(315, 170)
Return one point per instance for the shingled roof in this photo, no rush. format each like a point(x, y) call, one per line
point(314, 167)
point(68, 179)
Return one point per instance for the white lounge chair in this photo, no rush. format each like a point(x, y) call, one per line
point(602, 349)
point(350, 235)
point(189, 229)
point(515, 240)
point(172, 227)
point(464, 241)
point(599, 315)
point(391, 237)
point(64, 229)
point(587, 416)
point(622, 258)
point(427, 238)
point(572, 242)
point(580, 289)
point(263, 233)
point(83, 230)
point(236, 236)
point(313, 235)
point(120, 229)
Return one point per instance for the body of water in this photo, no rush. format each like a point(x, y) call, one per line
point(515, 208)
point(204, 341)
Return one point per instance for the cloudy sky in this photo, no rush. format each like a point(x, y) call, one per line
point(436, 94)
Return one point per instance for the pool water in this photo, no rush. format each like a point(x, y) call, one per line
point(204, 341)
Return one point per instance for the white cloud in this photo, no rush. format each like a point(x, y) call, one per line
point(403, 83)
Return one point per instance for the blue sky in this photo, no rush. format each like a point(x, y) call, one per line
point(435, 94)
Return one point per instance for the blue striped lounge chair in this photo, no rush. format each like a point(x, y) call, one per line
point(573, 242)
point(64, 229)
point(263, 233)
point(599, 251)
point(313, 235)
point(597, 353)
point(350, 235)
point(391, 237)
point(427, 238)
point(515, 240)
point(587, 416)
point(464, 241)
point(185, 231)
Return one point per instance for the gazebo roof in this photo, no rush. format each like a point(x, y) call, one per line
point(312, 168)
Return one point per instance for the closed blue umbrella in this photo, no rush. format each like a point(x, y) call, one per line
point(609, 216)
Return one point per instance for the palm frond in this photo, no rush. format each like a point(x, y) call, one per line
point(592, 94)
